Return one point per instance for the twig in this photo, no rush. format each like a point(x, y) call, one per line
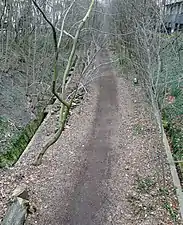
point(70, 35)
point(63, 23)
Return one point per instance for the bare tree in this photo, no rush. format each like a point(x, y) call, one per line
point(41, 41)
point(141, 39)
point(65, 103)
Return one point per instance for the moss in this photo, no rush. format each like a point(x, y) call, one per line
point(20, 141)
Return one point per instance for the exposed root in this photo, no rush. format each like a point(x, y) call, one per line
point(52, 141)
point(39, 158)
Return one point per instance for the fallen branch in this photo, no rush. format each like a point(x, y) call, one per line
point(38, 160)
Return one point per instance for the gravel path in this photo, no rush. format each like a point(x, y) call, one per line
point(107, 166)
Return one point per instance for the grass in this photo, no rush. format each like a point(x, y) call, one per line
point(147, 196)
point(144, 185)
point(170, 207)
point(147, 185)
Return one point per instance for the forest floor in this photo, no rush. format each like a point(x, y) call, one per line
point(107, 168)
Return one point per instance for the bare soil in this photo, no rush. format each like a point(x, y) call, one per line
point(107, 168)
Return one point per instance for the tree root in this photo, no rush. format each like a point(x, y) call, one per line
point(52, 141)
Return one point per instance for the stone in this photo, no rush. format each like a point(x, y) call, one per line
point(21, 192)
point(17, 212)
point(135, 80)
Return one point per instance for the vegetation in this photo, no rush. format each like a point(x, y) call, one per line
point(43, 41)
point(155, 58)
point(19, 140)
point(171, 101)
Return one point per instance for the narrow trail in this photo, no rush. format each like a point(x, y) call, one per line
point(106, 168)
point(114, 148)
point(89, 195)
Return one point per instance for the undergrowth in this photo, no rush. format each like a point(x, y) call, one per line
point(169, 90)
point(19, 141)
point(172, 117)
point(172, 85)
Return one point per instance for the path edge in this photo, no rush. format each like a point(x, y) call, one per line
point(176, 180)
point(173, 170)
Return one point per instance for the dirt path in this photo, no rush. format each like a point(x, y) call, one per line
point(106, 168)
point(89, 194)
